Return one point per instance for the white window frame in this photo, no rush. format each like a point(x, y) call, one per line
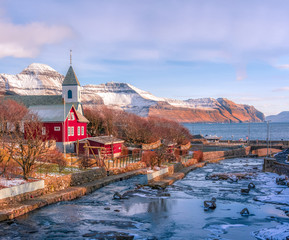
point(43, 130)
point(68, 131)
point(56, 129)
point(78, 131)
point(72, 116)
point(72, 131)
point(82, 130)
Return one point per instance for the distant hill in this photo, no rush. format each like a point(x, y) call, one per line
point(41, 79)
point(281, 117)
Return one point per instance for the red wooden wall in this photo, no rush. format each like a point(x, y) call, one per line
point(58, 135)
point(116, 148)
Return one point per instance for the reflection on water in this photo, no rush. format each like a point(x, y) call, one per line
point(146, 215)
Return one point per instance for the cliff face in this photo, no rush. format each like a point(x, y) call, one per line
point(224, 111)
point(40, 79)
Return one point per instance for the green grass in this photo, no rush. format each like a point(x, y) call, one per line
point(52, 168)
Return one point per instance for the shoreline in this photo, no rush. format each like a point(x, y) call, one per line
point(176, 172)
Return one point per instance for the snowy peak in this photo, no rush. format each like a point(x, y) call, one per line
point(120, 95)
point(36, 79)
point(125, 88)
point(38, 68)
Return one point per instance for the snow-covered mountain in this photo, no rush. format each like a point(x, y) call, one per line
point(36, 79)
point(41, 79)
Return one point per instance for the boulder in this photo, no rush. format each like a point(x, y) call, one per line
point(117, 196)
point(210, 204)
point(251, 185)
point(245, 212)
point(245, 190)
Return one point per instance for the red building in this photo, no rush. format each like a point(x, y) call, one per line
point(64, 127)
point(61, 115)
point(106, 144)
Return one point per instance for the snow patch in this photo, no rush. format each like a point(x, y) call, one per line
point(222, 228)
point(280, 232)
point(38, 68)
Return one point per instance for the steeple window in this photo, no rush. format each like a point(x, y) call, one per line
point(69, 94)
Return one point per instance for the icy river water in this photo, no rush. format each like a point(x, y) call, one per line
point(150, 214)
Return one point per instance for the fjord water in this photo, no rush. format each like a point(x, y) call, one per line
point(236, 131)
point(149, 214)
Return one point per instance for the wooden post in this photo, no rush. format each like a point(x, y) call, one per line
point(77, 147)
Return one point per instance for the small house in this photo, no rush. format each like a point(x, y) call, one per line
point(107, 145)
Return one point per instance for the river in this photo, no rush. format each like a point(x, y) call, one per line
point(236, 131)
point(150, 214)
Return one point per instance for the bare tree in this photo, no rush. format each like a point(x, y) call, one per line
point(28, 147)
point(11, 115)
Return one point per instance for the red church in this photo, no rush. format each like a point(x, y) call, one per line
point(61, 115)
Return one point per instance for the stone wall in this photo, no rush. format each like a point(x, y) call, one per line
point(62, 182)
point(57, 183)
point(262, 152)
point(217, 155)
point(21, 197)
point(176, 167)
point(271, 165)
point(207, 156)
point(131, 167)
point(188, 163)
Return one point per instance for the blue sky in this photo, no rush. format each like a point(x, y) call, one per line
point(175, 48)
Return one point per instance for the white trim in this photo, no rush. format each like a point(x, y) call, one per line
point(72, 131)
point(68, 132)
point(56, 129)
point(82, 130)
point(43, 130)
point(78, 131)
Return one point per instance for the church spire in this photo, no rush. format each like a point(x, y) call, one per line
point(70, 57)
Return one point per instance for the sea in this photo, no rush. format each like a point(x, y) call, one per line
point(236, 131)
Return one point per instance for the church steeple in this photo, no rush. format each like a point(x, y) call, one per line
point(70, 86)
point(70, 78)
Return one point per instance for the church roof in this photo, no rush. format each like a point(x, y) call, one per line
point(70, 78)
point(55, 113)
point(31, 100)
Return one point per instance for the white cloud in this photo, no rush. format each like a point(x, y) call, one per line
point(234, 32)
point(282, 89)
point(26, 40)
point(238, 29)
point(283, 66)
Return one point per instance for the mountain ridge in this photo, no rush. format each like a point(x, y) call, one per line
point(280, 117)
point(41, 79)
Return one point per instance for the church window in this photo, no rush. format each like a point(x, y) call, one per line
point(69, 94)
